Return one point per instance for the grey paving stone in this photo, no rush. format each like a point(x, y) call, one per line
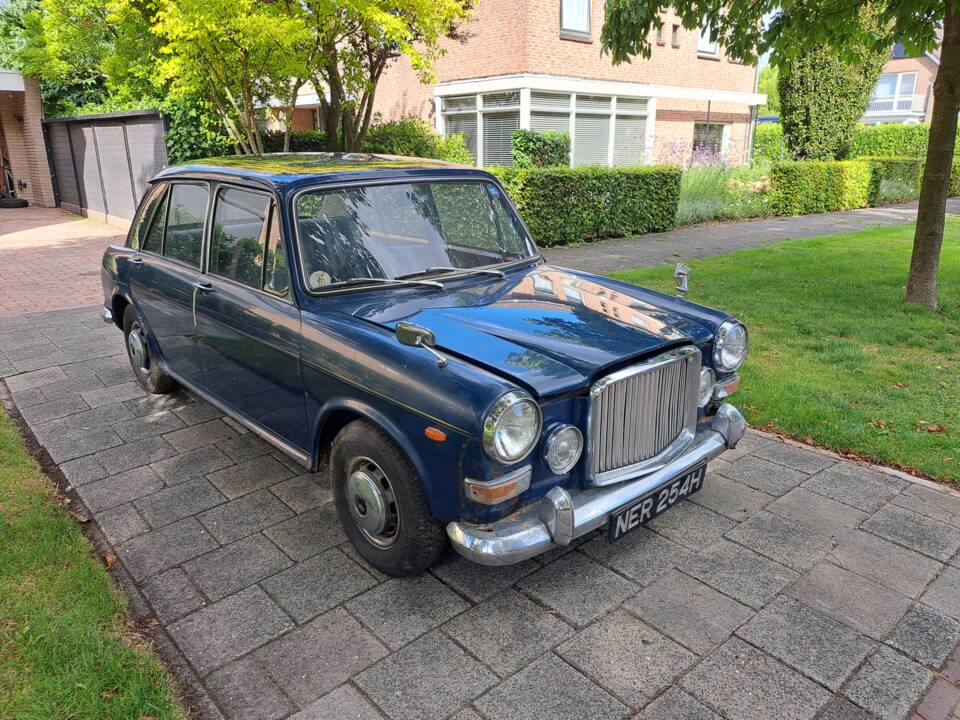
point(195, 463)
point(693, 614)
point(405, 608)
point(308, 534)
point(161, 549)
point(304, 492)
point(87, 421)
point(37, 378)
point(841, 709)
point(729, 498)
point(27, 397)
point(921, 506)
point(888, 685)
point(148, 425)
point(429, 678)
point(317, 584)
point(549, 688)
point(172, 595)
point(739, 573)
point(578, 588)
point(206, 433)
point(244, 516)
point(233, 567)
point(32, 350)
point(916, 532)
point(248, 477)
point(112, 394)
point(944, 593)
point(113, 376)
point(245, 447)
point(675, 704)
point(630, 659)
point(782, 540)
point(890, 565)
point(247, 692)
point(227, 629)
point(83, 470)
point(42, 361)
point(808, 641)
point(933, 502)
point(691, 525)
point(855, 485)
point(507, 632)
point(478, 582)
point(926, 635)
point(198, 412)
point(466, 714)
point(54, 409)
point(763, 475)
point(16, 340)
point(68, 446)
point(744, 683)
point(344, 703)
point(135, 454)
point(73, 386)
point(856, 602)
point(85, 368)
point(643, 556)
point(178, 502)
point(119, 489)
point(317, 657)
point(351, 552)
point(121, 523)
point(820, 514)
point(149, 404)
point(808, 461)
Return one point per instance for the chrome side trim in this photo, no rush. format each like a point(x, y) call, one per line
point(564, 515)
point(251, 425)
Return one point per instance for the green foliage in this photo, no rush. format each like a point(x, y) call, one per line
point(415, 137)
point(540, 149)
point(300, 141)
point(563, 205)
point(769, 143)
point(816, 186)
point(453, 148)
point(892, 139)
point(723, 193)
point(894, 179)
point(193, 130)
point(767, 84)
point(821, 101)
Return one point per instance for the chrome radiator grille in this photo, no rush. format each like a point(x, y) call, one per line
point(639, 413)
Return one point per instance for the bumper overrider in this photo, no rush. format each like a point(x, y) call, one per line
point(563, 515)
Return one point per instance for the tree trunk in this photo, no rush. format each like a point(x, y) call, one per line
point(922, 282)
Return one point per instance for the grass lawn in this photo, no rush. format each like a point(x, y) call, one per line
point(65, 648)
point(835, 356)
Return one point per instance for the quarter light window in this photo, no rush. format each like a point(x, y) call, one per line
point(153, 240)
point(237, 241)
point(142, 223)
point(575, 17)
point(183, 238)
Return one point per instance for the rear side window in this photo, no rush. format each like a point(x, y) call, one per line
point(153, 237)
point(239, 235)
point(183, 238)
point(142, 223)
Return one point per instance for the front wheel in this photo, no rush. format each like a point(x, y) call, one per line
point(151, 378)
point(381, 504)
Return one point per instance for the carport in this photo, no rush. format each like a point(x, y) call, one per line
point(24, 170)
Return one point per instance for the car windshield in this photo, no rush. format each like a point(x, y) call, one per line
point(425, 229)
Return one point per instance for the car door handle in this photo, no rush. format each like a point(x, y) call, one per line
point(203, 286)
point(136, 260)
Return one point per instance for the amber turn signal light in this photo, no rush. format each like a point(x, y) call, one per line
point(435, 434)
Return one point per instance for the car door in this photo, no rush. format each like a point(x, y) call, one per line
point(248, 327)
point(165, 276)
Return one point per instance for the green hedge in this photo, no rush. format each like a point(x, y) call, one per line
point(415, 137)
point(540, 149)
point(563, 205)
point(894, 179)
point(300, 141)
point(890, 140)
point(816, 186)
point(769, 143)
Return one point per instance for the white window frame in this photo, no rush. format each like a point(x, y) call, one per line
point(705, 46)
point(577, 33)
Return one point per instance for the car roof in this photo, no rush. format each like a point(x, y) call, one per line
point(289, 170)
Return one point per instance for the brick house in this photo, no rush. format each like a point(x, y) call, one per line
point(904, 92)
point(23, 154)
point(537, 64)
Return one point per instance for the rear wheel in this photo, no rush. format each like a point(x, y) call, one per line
point(381, 504)
point(148, 373)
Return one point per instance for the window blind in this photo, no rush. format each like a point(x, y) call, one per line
point(465, 125)
point(628, 138)
point(498, 137)
point(541, 121)
point(575, 16)
point(591, 139)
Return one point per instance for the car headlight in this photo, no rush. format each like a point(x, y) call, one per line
point(707, 382)
point(562, 448)
point(730, 346)
point(511, 428)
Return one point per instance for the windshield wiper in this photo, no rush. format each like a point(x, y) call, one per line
point(391, 281)
point(461, 272)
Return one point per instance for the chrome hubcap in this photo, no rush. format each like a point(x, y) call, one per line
point(372, 503)
point(137, 348)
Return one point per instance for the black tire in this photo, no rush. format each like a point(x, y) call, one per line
point(151, 378)
point(12, 202)
point(418, 539)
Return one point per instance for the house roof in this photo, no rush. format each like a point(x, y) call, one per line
point(287, 169)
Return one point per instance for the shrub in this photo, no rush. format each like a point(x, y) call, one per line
point(300, 141)
point(723, 193)
point(816, 186)
point(193, 131)
point(891, 140)
point(564, 205)
point(769, 143)
point(894, 179)
point(540, 149)
point(415, 137)
point(453, 148)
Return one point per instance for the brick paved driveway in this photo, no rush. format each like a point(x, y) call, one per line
point(793, 586)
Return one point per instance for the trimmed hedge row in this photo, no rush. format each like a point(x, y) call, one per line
point(300, 141)
point(532, 148)
point(894, 179)
point(563, 205)
point(817, 186)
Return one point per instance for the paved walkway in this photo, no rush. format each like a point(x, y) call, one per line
point(795, 585)
point(703, 240)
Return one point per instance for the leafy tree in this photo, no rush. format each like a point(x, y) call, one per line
point(767, 84)
point(739, 25)
point(822, 98)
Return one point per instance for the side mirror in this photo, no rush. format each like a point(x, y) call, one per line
point(417, 336)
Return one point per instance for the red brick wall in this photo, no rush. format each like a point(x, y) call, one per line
point(21, 115)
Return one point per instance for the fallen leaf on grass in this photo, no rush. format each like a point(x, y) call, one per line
point(109, 560)
point(924, 427)
point(898, 386)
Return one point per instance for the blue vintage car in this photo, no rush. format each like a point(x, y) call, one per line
point(391, 318)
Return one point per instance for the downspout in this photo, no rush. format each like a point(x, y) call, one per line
point(754, 111)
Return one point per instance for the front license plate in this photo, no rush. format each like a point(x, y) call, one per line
point(644, 509)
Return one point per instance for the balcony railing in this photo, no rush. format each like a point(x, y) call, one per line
point(894, 103)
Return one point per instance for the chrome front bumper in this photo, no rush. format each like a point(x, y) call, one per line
point(563, 515)
point(107, 315)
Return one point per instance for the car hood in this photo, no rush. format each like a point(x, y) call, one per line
point(550, 329)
